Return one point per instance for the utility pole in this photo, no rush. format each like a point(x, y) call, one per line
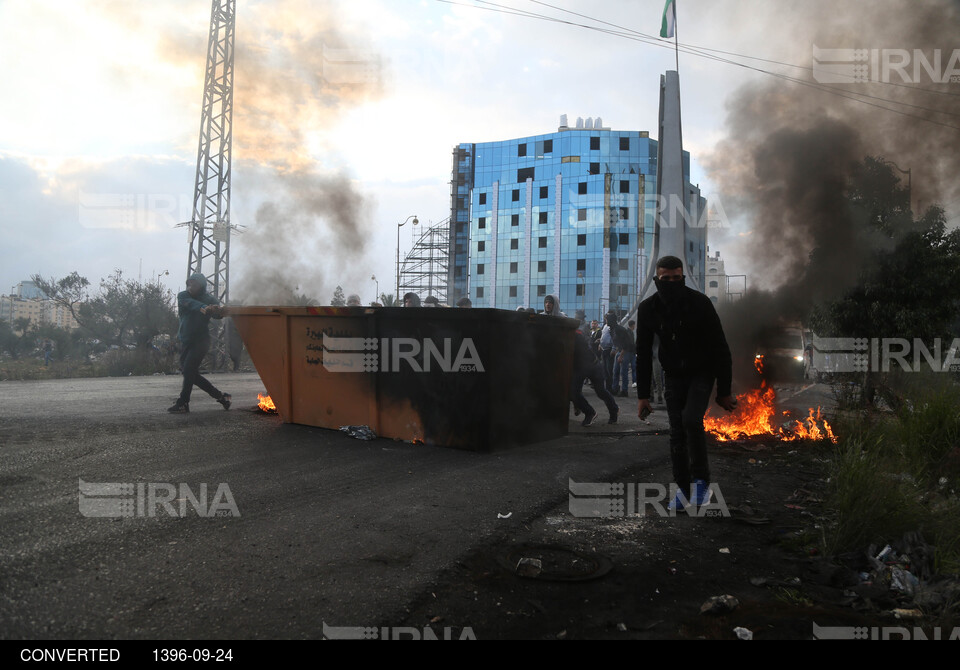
point(210, 226)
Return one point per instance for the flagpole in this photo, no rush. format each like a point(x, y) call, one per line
point(676, 39)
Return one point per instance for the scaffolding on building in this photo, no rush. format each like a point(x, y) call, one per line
point(425, 270)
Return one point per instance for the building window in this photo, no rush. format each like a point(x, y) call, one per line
point(548, 146)
point(543, 217)
point(624, 289)
point(544, 191)
point(479, 268)
point(581, 240)
point(479, 291)
point(514, 267)
point(624, 238)
point(513, 291)
point(691, 246)
point(624, 186)
point(580, 289)
point(458, 271)
point(514, 243)
point(515, 195)
point(541, 290)
point(582, 188)
point(581, 265)
point(570, 159)
point(482, 223)
point(521, 150)
point(515, 220)
point(458, 249)
point(483, 198)
point(461, 227)
point(524, 174)
point(594, 144)
point(624, 263)
point(481, 246)
point(541, 266)
point(581, 215)
point(543, 243)
point(714, 284)
point(624, 144)
point(459, 203)
point(624, 213)
point(594, 168)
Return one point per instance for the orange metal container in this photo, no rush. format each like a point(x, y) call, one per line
point(467, 378)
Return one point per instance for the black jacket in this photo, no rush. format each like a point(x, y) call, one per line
point(691, 341)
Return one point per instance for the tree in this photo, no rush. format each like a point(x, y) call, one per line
point(18, 342)
point(338, 300)
point(123, 312)
point(907, 288)
point(388, 300)
point(8, 340)
point(70, 292)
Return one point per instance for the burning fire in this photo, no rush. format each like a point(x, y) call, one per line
point(754, 416)
point(266, 404)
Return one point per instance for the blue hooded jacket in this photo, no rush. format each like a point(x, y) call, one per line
point(194, 325)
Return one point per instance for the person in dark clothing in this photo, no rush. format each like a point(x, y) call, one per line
point(586, 365)
point(625, 352)
point(196, 307)
point(694, 354)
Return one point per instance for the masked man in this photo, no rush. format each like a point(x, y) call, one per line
point(694, 354)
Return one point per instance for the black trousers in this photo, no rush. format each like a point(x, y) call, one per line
point(596, 377)
point(687, 398)
point(190, 359)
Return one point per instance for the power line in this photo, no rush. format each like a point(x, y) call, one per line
point(732, 53)
point(638, 36)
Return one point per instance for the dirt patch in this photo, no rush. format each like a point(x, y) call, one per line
point(663, 569)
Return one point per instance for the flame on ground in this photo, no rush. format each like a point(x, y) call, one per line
point(265, 403)
point(754, 416)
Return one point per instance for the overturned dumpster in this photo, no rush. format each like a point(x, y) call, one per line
point(466, 378)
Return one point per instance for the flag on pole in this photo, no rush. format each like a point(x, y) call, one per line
point(669, 23)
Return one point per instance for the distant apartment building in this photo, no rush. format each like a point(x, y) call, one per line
point(28, 302)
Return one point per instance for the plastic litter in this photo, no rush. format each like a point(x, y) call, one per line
point(359, 432)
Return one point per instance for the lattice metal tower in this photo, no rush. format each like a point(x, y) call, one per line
point(425, 270)
point(210, 226)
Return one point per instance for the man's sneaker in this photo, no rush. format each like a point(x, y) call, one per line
point(701, 493)
point(634, 385)
point(679, 502)
point(614, 416)
point(225, 399)
point(180, 408)
point(588, 420)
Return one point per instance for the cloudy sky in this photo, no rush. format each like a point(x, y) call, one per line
point(100, 112)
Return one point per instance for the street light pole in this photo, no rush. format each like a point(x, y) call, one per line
point(396, 295)
point(376, 297)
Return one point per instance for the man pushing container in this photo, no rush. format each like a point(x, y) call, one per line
point(196, 307)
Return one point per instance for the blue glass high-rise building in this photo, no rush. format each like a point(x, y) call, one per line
point(570, 213)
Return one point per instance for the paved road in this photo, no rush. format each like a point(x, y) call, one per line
point(330, 529)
